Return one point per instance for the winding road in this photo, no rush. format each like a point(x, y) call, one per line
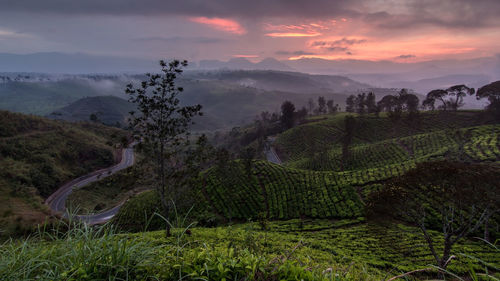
point(57, 201)
point(271, 154)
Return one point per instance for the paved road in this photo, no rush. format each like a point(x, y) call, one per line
point(271, 154)
point(57, 200)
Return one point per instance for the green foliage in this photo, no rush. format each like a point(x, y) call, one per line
point(37, 155)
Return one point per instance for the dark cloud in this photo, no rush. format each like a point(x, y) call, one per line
point(180, 40)
point(294, 53)
point(446, 13)
point(209, 8)
point(341, 45)
point(405, 56)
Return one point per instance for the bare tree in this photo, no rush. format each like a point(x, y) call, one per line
point(459, 197)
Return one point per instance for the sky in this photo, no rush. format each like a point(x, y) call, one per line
point(400, 31)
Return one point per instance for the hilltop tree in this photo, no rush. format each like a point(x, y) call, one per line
point(321, 105)
point(350, 105)
point(455, 198)
point(396, 105)
point(311, 106)
point(163, 127)
point(451, 98)
point(492, 93)
point(301, 114)
point(331, 107)
point(360, 103)
point(287, 114)
point(247, 155)
point(371, 104)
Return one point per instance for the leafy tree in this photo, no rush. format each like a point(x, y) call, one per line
point(396, 105)
point(311, 105)
point(247, 155)
point(360, 103)
point(321, 105)
point(287, 114)
point(350, 105)
point(301, 115)
point(455, 198)
point(451, 98)
point(331, 107)
point(93, 117)
point(492, 93)
point(371, 104)
point(163, 126)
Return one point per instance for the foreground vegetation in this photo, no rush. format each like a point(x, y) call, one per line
point(285, 250)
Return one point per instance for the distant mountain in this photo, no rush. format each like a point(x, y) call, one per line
point(282, 81)
point(109, 110)
point(244, 64)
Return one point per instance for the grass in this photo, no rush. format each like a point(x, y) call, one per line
point(286, 250)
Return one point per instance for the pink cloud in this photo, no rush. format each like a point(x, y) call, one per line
point(292, 34)
point(222, 24)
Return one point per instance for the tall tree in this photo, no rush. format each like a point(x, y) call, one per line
point(321, 105)
point(287, 114)
point(332, 108)
point(311, 105)
point(371, 104)
point(492, 93)
point(360, 103)
point(350, 105)
point(163, 126)
point(451, 98)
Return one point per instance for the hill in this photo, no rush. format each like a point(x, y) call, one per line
point(109, 110)
point(230, 98)
point(38, 155)
point(315, 182)
point(294, 82)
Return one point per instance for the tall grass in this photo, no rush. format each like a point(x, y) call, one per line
point(75, 251)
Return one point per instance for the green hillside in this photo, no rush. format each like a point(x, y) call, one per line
point(37, 155)
point(109, 110)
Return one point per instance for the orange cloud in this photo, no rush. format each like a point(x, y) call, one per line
point(227, 25)
point(292, 34)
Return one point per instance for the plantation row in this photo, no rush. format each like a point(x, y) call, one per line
point(304, 140)
point(472, 144)
point(280, 193)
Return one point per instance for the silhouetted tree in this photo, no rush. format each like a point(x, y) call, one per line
point(311, 105)
point(451, 98)
point(371, 104)
point(360, 103)
point(163, 126)
point(247, 155)
point(350, 105)
point(396, 105)
point(301, 115)
point(287, 114)
point(332, 108)
point(321, 105)
point(455, 198)
point(492, 93)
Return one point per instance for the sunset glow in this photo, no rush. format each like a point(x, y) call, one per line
point(292, 34)
point(227, 25)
